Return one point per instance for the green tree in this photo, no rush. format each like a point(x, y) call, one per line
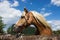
point(1, 26)
point(29, 31)
point(56, 32)
point(10, 30)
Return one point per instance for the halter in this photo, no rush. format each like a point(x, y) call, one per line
point(25, 19)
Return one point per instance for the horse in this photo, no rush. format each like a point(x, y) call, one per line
point(32, 17)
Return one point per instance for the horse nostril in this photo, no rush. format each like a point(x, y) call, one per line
point(16, 29)
point(20, 26)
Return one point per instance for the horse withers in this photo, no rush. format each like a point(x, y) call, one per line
point(32, 17)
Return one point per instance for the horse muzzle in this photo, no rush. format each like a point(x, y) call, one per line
point(16, 29)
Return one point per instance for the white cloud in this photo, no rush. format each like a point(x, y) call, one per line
point(55, 24)
point(55, 2)
point(46, 14)
point(31, 3)
point(15, 3)
point(43, 9)
point(8, 13)
point(32, 26)
point(23, 0)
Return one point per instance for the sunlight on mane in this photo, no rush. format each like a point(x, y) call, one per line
point(41, 18)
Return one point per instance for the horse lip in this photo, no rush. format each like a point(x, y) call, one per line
point(15, 28)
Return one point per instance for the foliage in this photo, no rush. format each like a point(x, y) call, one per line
point(1, 26)
point(10, 30)
point(26, 31)
point(56, 32)
point(29, 31)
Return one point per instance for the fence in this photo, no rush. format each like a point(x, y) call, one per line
point(32, 37)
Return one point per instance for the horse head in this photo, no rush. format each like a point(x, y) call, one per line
point(24, 21)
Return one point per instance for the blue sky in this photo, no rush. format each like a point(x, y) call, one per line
point(11, 10)
point(38, 5)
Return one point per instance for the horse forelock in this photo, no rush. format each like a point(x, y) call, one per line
point(40, 18)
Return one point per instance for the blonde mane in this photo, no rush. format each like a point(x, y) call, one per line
point(40, 18)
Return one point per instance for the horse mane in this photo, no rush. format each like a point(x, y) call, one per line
point(40, 18)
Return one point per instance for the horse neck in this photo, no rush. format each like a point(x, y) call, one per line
point(38, 25)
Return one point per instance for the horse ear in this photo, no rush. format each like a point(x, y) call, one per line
point(26, 11)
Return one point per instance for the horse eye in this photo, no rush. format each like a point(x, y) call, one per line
point(22, 16)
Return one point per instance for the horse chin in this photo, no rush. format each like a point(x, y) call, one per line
point(17, 30)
